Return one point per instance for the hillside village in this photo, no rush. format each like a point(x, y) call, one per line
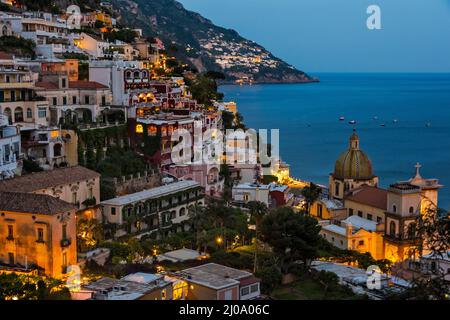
point(92, 114)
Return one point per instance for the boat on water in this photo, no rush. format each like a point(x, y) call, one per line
point(341, 118)
point(383, 125)
point(428, 124)
point(395, 121)
point(352, 122)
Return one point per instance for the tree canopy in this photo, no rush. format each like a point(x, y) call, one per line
point(292, 236)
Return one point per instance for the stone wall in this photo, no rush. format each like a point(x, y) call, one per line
point(135, 183)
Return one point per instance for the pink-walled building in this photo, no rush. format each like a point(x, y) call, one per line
point(206, 175)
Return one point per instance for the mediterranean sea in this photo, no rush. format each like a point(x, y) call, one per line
point(401, 119)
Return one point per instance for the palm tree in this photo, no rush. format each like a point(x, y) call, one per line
point(311, 194)
point(257, 211)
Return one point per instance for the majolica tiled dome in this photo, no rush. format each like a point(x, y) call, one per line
point(353, 163)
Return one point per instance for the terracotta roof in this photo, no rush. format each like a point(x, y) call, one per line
point(47, 85)
point(86, 85)
point(374, 197)
point(5, 56)
point(47, 179)
point(33, 203)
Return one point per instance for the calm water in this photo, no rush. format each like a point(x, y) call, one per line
point(312, 137)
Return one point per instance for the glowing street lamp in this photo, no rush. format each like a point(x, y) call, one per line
point(219, 240)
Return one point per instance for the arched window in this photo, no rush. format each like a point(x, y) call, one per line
point(29, 113)
point(346, 187)
point(336, 188)
point(137, 75)
point(18, 114)
point(411, 210)
point(394, 208)
point(392, 228)
point(8, 114)
point(128, 75)
point(182, 212)
point(4, 31)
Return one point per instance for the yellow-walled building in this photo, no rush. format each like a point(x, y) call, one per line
point(328, 209)
point(355, 233)
point(37, 231)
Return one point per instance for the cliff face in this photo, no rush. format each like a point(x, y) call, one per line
point(199, 42)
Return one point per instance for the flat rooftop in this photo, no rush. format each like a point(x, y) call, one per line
point(251, 186)
point(215, 276)
point(179, 255)
point(130, 287)
point(152, 193)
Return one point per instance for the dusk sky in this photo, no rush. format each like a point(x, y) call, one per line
point(331, 35)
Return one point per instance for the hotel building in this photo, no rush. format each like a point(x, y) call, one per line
point(162, 208)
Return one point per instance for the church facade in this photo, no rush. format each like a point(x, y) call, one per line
point(382, 221)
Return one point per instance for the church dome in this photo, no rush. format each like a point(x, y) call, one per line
point(353, 163)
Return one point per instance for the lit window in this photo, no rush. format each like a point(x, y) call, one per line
point(139, 128)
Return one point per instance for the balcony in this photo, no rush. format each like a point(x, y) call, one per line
point(17, 85)
point(65, 243)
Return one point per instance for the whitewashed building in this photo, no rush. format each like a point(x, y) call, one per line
point(246, 192)
point(10, 163)
point(96, 47)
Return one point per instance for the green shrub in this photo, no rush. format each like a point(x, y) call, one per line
point(270, 278)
